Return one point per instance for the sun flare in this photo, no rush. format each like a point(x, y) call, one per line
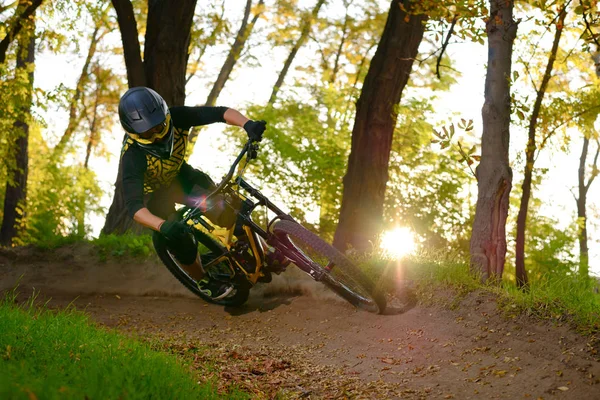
point(398, 242)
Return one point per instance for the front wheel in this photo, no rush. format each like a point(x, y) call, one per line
point(236, 298)
point(330, 266)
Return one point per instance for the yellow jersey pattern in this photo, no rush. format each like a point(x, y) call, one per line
point(160, 173)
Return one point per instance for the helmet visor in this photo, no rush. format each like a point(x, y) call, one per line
point(156, 133)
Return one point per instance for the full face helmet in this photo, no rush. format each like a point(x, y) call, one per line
point(146, 118)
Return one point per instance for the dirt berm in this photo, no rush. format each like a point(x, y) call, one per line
point(295, 338)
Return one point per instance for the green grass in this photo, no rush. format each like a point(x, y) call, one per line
point(59, 355)
point(136, 246)
point(561, 298)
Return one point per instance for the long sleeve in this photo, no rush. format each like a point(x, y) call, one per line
point(185, 117)
point(133, 167)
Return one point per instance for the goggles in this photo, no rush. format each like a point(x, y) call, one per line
point(153, 134)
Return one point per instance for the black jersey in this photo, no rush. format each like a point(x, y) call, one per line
point(145, 173)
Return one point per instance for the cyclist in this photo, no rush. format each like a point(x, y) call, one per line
point(155, 175)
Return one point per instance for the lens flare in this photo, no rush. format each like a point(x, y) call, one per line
point(398, 242)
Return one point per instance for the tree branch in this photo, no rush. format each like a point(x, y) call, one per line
point(547, 137)
point(16, 28)
point(594, 167)
point(209, 42)
point(587, 25)
point(7, 6)
point(444, 45)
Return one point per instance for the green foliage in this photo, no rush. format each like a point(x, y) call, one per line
point(550, 249)
point(426, 188)
point(58, 196)
point(60, 355)
point(128, 244)
point(560, 298)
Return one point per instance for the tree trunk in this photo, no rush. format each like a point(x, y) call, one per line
point(582, 204)
point(163, 69)
point(16, 188)
point(166, 48)
point(75, 119)
point(230, 61)
point(521, 272)
point(209, 42)
point(306, 25)
point(25, 9)
point(581, 212)
point(365, 181)
point(234, 54)
point(494, 176)
point(131, 44)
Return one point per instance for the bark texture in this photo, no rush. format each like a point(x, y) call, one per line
point(163, 69)
point(494, 176)
point(16, 188)
point(520, 271)
point(367, 175)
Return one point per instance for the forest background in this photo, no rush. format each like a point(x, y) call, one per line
point(74, 138)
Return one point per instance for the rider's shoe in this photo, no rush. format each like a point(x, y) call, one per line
point(214, 289)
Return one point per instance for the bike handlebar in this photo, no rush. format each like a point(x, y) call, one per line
point(250, 148)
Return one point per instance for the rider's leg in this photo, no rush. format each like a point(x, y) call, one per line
point(162, 204)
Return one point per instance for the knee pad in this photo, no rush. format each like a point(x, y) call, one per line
point(185, 250)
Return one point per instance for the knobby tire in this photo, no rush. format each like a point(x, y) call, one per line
point(345, 279)
point(160, 245)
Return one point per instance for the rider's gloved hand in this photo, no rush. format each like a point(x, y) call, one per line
point(255, 129)
point(174, 230)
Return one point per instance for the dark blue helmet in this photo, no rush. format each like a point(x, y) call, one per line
point(145, 116)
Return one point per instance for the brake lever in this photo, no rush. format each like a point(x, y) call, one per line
point(253, 151)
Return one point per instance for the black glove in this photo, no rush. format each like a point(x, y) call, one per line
point(174, 230)
point(255, 129)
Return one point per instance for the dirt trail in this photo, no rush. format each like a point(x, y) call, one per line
point(293, 335)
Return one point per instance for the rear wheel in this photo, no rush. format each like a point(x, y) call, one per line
point(332, 268)
point(241, 290)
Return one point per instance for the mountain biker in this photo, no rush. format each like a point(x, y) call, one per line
point(155, 175)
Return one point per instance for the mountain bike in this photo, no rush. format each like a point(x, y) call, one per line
point(236, 249)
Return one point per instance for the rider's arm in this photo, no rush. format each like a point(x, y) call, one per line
point(186, 117)
point(134, 166)
point(234, 117)
point(144, 217)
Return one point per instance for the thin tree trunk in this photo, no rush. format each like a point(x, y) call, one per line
point(25, 9)
point(75, 119)
point(234, 53)
point(521, 272)
point(7, 6)
point(365, 181)
point(229, 64)
point(93, 123)
point(582, 204)
point(16, 188)
point(581, 212)
point(494, 176)
point(306, 26)
point(209, 42)
point(338, 54)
